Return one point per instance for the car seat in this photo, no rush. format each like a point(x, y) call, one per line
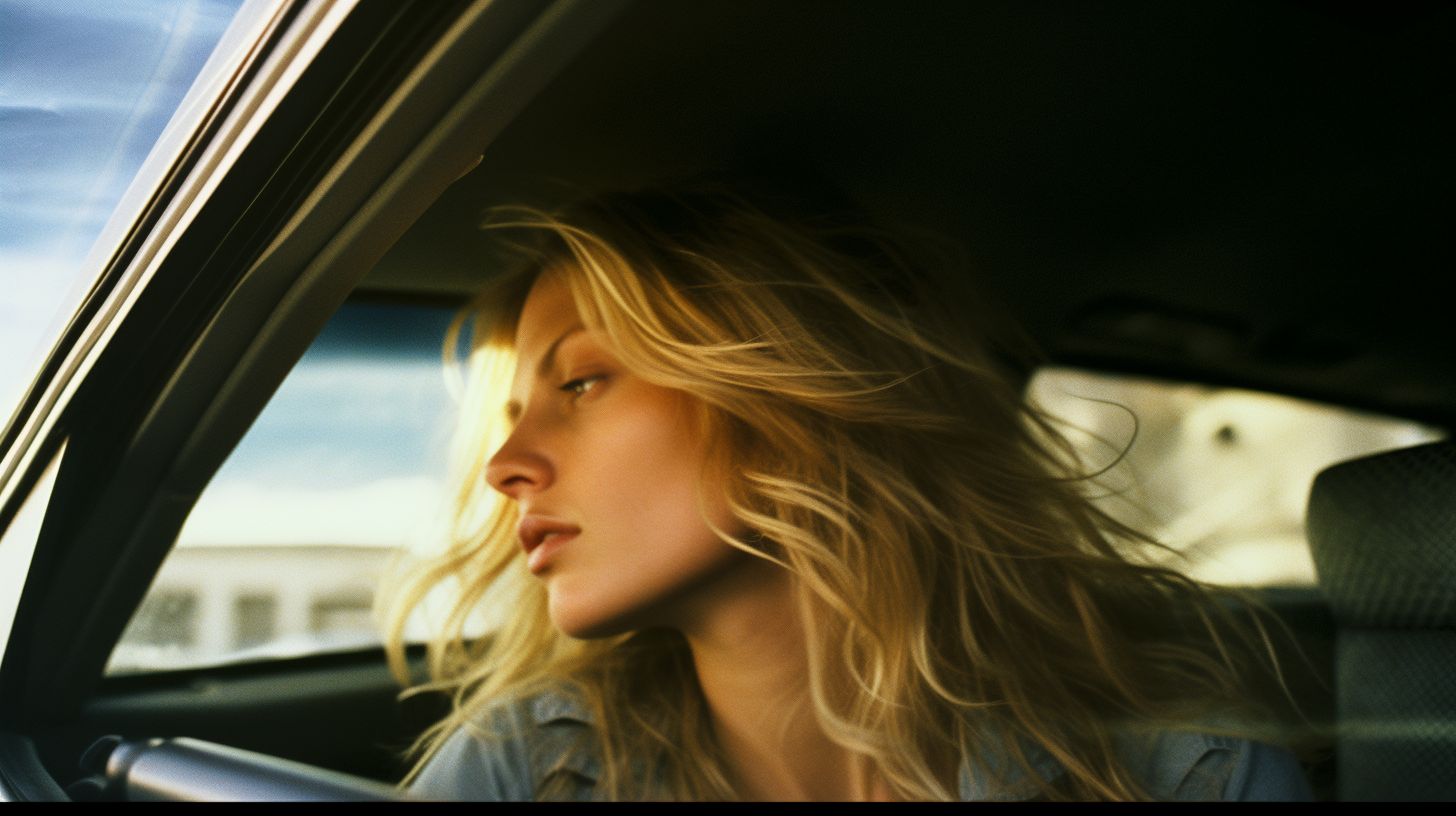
point(1382, 530)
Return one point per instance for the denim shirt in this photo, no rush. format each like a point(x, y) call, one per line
point(534, 739)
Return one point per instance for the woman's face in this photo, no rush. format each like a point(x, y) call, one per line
point(605, 468)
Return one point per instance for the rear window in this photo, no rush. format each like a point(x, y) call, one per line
point(1221, 475)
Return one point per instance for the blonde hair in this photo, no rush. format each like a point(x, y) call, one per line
point(955, 583)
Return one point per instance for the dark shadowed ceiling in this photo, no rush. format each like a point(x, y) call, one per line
point(1254, 193)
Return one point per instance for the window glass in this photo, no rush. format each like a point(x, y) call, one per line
point(167, 620)
point(255, 617)
point(1219, 474)
point(282, 554)
point(86, 88)
point(283, 551)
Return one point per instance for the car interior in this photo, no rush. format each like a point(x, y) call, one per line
point(1242, 194)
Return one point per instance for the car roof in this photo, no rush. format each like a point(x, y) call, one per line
point(1239, 193)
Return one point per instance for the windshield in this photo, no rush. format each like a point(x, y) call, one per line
point(86, 89)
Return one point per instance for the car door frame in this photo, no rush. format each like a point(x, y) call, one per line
point(392, 105)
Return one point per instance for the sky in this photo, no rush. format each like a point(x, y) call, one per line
point(352, 447)
point(350, 450)
point(86, 87)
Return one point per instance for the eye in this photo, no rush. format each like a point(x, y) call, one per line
point(580, 385)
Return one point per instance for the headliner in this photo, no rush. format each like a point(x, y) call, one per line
point(1242, 193)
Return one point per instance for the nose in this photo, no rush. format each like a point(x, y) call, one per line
point(518, 469)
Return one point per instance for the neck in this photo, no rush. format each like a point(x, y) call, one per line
point(751, 657)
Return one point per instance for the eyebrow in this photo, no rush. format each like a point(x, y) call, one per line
point(513, 408)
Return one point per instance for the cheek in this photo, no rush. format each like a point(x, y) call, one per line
point(644, 535)
point(648, 468)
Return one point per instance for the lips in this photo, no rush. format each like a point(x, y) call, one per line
point(534, 531)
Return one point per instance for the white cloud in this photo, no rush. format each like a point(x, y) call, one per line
point(383, 513)
point(375, 390)
point(33, 291)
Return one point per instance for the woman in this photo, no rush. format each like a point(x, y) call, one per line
point(762, 519)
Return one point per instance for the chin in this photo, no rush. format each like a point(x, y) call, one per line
point(589, 619)
point(585, 606)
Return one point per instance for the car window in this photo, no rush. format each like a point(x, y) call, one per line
point(282, 552)
point(1220, 475)
point(86, 89)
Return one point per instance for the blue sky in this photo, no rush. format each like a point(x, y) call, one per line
point(86, 87)
point(350, 449)
point(367, 400)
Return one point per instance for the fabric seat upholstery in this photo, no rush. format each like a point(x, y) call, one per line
point(1382, 531)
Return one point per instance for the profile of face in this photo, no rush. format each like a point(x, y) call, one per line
point(605, 468)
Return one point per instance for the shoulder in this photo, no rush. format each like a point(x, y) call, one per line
point(514, 746)
point(1183, 765)
point(1169, 766)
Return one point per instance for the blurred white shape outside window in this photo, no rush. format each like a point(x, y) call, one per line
point(1219, 474)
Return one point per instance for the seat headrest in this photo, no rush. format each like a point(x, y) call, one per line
point(1382, 531)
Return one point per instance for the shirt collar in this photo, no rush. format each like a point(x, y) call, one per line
point(987, 770)
point(989, 773)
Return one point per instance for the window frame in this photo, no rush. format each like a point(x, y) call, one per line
point(376, 110)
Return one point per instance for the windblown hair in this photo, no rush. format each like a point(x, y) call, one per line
point(956, 584)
